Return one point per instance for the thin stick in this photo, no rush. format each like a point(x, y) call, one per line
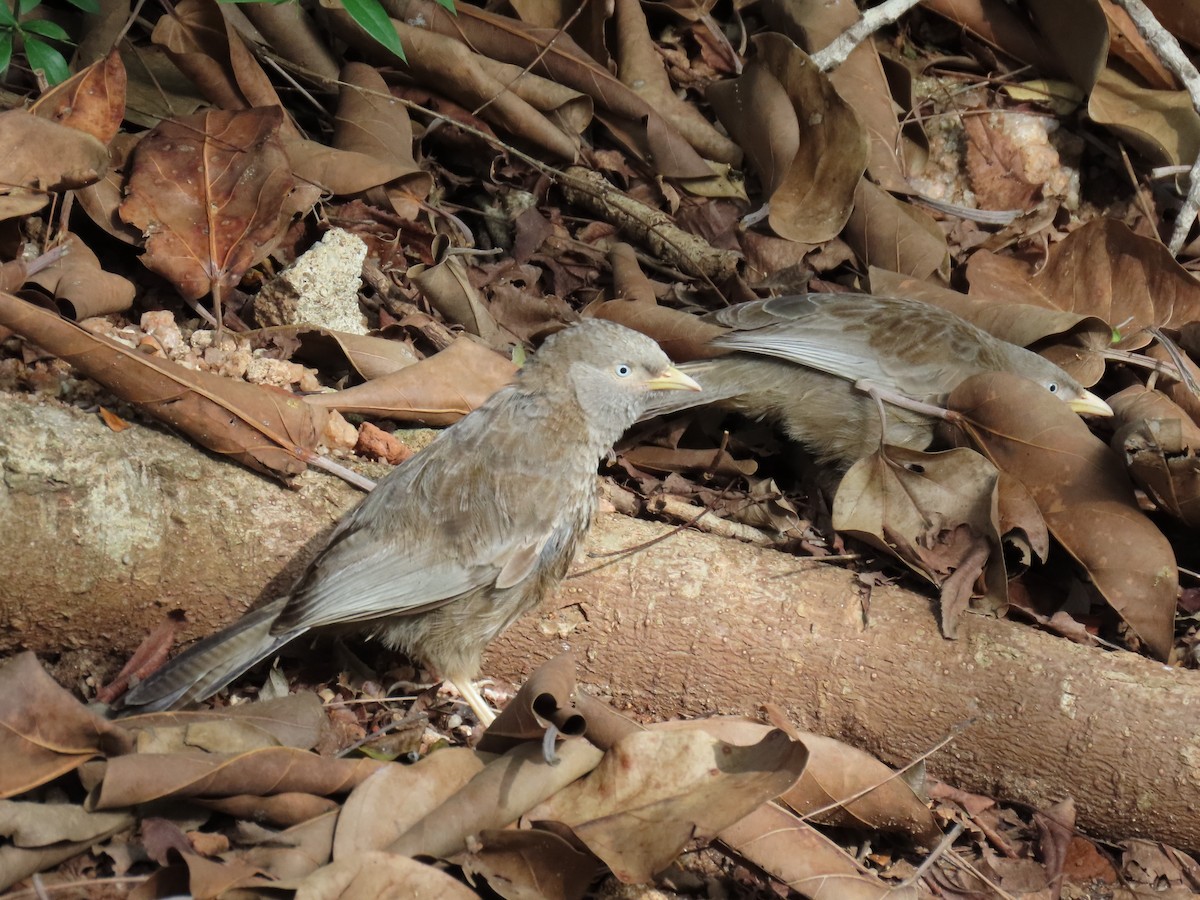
point(836, 51)
point(346, 474)
point(1164, 44)
point(943, 845)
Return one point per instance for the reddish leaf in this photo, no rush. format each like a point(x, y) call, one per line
point(208, 193)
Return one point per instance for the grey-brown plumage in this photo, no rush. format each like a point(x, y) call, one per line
point(806, 362)
point(459, 541)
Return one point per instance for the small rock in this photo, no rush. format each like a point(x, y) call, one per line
point(375, 443)
point(161, 326)
point(319, 288)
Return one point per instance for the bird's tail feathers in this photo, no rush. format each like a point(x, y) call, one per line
point(210, 664)
point(715, 386)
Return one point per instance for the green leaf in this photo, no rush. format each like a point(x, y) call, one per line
point(51, 30)
point(50, 61)
point(372, 18)
point(7, 19)
point(24, 7)
point(88, 6)
point(448, 5)
point(6, 45)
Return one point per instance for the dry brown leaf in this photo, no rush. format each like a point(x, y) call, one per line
point(209, 879)
point(859, 80)
point(531, 864)
point(506, 789)
point(995, 22)
point(297, 852)
point(140, 778)
point(328, 350)
point(1128, 44)
point(461, 75)
point(936, 512)
point(156, 89)
point(208, 191)
point(447, 287)
point(80, 287)
point(1083, 493)
point(43, 157)
point(296, 720)
point(804, 142)
point(676, 459)
point(1101, 269)
point(439, 390)
point(655, 791)
point(194, 38)
point(552, 54)
point(369, 121)
point(41, 835)
point(263, 428)
point(31, 824)
point(851, 788)
point(149, 656)
point(1178, 391)
point(338, 172)
point(376, 874)
point(897, 236)
point(102, 200)
point(115, 423)
point(1163, 125)
point(395, 798)
point(281, 810)
point(204, 44)
point(1180, 17)
point(1021, 524)
point(292, 32)
point(641, 68)
point(92, 100)
point(44, 731)
point(836, 772)
point(783, 845)
point(1159, 443)
point(1076, 33)
point(550, 697)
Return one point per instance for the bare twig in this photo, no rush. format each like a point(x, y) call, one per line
point(1164, 44)
point(835, 52)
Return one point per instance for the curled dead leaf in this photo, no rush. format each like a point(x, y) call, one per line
point(1083, 493)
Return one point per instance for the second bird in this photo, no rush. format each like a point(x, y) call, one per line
point(805, 362)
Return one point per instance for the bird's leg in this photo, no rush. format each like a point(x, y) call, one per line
point(466, 688)
point(886, 395)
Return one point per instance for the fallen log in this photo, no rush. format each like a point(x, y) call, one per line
point(103, 533)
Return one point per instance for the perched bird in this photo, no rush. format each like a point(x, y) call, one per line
point(462, 539)
point(811, 362)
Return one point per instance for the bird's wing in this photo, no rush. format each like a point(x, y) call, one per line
point(858, 337)
point(446, 522)
point(805, 331)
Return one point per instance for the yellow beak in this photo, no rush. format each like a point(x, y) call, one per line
point(1088, 404)
point(672, 380)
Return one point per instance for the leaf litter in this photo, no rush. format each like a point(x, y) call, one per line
point(659, 125)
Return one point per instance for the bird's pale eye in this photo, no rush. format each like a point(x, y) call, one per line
point(623, 370)
point(1052, 387)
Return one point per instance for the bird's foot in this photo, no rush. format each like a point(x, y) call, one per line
point(467, 690)
point(903, 401)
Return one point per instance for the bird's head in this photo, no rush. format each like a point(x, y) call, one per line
point(614, 370)
point(1060, 384)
